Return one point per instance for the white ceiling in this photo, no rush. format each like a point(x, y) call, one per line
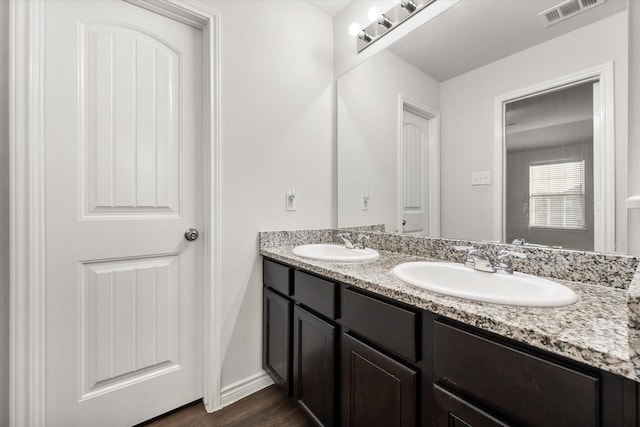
point(330, 7)
point(474, 33)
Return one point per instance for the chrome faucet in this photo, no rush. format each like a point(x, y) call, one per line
point(503, 263)
point(477, 259)
point(481, 260)
point(359, 243)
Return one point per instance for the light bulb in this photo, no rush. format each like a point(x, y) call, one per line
point(354, 29)
point(373, 14)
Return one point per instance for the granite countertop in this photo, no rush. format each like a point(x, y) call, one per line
point(593, 331)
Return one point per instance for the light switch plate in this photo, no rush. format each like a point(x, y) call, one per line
point(481, 178)
point(290, 200)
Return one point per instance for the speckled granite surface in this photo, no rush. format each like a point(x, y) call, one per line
point(585, 267)
point(602, 329)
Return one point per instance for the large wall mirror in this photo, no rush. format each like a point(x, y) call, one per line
point(486, 123)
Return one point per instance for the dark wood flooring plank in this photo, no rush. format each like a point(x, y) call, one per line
point(267, 407)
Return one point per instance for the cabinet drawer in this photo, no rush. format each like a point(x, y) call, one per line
point(536, 391)
point(452, 411)
point(277, 276)
point(385, 324)
point(316, 293)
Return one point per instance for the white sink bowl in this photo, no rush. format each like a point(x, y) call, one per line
point(460, 281)
point(335, 253)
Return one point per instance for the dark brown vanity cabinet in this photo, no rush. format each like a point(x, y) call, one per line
point(314, 343)
point(453, 411)
point(379, 385)
point(300, 338)
point(276, 346)
point(314, 346)
point(353, 358)
point(480, 381)
point(377, 390)
point(276, 324)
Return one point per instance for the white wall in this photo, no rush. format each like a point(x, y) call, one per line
point(467, 126)
point(368, 119)
point(634, 127)
point(277, 119)
point(4, 214)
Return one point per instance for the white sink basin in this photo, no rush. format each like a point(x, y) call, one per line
point(335, 253)
point(460, 281)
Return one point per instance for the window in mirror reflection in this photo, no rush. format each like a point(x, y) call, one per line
point(549, 168)
point(556, 195)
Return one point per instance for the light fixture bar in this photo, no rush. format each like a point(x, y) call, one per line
point(388, 21)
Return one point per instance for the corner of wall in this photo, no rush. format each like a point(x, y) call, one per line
point(4, 213)
point(633, 215)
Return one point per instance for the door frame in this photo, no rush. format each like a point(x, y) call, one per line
point(604, 196)
point(433, 121)
point(27, 357)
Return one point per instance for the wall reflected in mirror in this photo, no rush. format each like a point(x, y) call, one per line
point(457, 77)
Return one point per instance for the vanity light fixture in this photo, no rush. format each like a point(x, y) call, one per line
point(381, 23)
point(384, 21)
point(409, 5)
point(362, 35)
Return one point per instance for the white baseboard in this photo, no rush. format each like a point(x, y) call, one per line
point(243, 388)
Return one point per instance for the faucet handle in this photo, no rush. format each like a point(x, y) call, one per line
point(348, 241)
point(470, 250)
point(503, 263)
point(506, 253)
point(360, 241)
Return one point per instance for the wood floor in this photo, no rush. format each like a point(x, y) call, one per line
point(268, 407)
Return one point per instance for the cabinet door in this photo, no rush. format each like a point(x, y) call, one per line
point(276, 338)
point(452, 411)
point(376, 389)
point(313, 365)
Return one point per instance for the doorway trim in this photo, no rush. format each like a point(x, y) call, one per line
point(603, 147)
point(27, 405)
point(433, 120)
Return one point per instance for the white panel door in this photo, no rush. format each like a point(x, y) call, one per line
point(415, 178)
point(123, 136)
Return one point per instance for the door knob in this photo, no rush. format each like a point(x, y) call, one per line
point(404, 222)
point(191, 234)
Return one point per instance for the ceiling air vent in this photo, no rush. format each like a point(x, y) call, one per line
point(566, 10)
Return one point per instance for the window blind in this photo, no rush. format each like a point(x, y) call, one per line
point(556, 195)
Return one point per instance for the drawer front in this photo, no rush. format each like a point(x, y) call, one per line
point(453, 411)
point(385, 324)
point(277, 276)
point(526, 387)
point(316, 293)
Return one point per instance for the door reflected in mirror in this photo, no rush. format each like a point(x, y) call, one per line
point(549, 168)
